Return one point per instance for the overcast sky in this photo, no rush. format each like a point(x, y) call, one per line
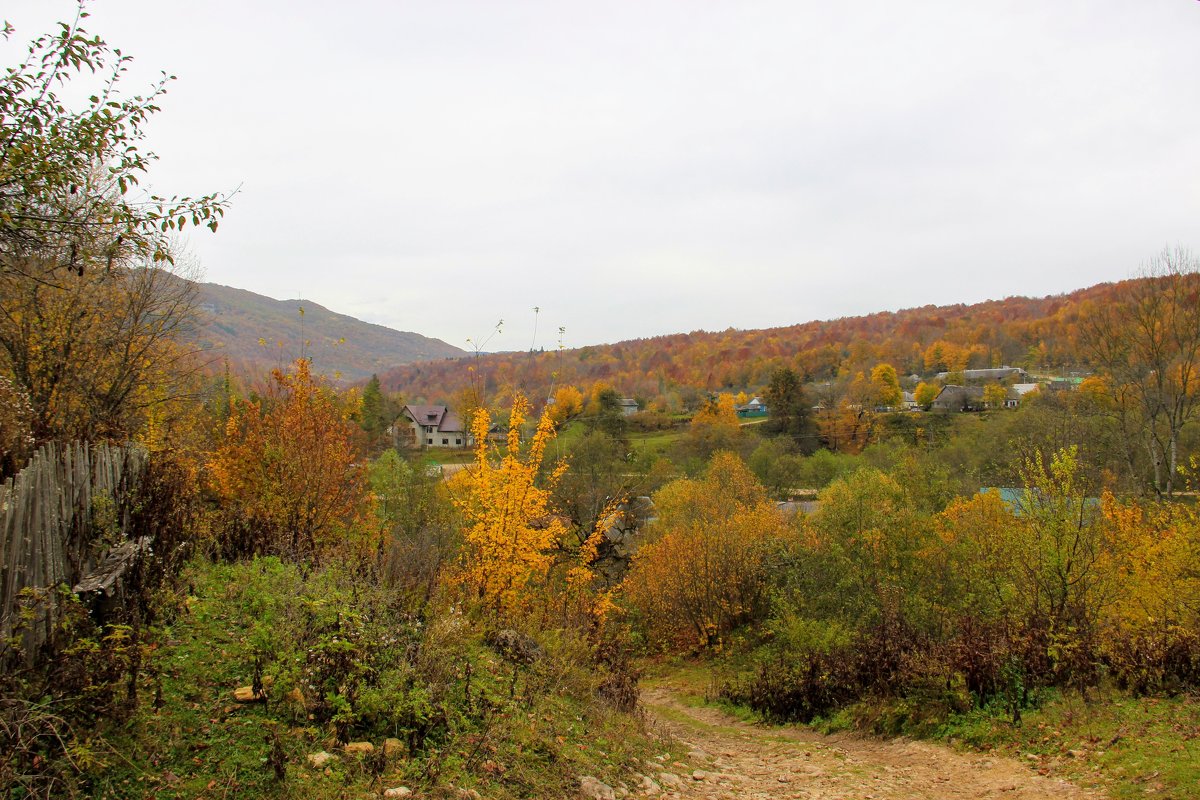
point(639, 168)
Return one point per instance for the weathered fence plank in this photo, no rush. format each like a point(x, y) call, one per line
point(46, 530)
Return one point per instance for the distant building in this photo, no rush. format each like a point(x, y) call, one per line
point(755, 408)
point(985, 375)
point(1018, 500)
point(959, 398)
point(627, 406)
point(429, 426)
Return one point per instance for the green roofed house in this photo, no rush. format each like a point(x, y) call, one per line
point(1017, 499)
point(755, 408)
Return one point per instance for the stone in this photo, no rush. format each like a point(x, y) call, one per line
point(398, 791)
point(670, 779)
point(359, 748)
point(648, 786)
point(319, 760)
point(393, 747)
point(593, 789)
point(701, 775)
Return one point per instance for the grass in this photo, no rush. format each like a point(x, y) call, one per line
point(197, 742)
point(653, 442)
point(1135, 747)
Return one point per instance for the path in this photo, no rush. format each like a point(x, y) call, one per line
point(733, 759)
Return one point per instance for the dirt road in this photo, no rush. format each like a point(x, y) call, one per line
point(732, 759)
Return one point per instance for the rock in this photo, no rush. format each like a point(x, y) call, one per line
point(698, 754)
point(468, 794)
point(318, 760)
point(648, 786)
point(670, 779)
point(359, 748)
point(398, 791)
point(1077, 753)
point(592, 789)
point(393, 747)
point(246, 694)
point(700, 775)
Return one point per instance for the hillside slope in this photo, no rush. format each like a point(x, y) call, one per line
point(255, 333)
point(1035, 333)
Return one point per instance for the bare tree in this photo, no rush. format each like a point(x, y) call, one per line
point(1147, 344)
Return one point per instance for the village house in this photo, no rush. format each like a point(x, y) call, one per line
point(627, 406)
point(988, 375)
point(755, 408)
point(429, 426)
point(959, 398)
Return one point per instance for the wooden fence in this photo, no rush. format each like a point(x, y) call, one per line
point(51, 514)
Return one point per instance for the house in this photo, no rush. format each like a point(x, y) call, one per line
point(959, 398)
point(1019, 501)
point(1017, 392)
point(910, 402)
point(755, 408)
point(627, 406)
point(429, 426)
point(986, 375)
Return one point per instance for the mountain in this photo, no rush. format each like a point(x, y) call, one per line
point(1036, 333)
point(254, 333)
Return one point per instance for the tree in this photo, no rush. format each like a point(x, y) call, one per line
point(1147, 343)
point(886, 385)
point(568, 403)
point(789, 410)
point(89, 316)
point(705, 574)
point(994, 395)
point(94, 352)
point(16, 440)
point(510, 533)
point(376, 412)
point(925, 394)
point(287, 468)
point(69, 173)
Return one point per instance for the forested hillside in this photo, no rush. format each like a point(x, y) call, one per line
point(1035, 333)
point(256, 333)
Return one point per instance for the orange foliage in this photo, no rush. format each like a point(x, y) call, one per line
point(705, 573)
point(287, 466)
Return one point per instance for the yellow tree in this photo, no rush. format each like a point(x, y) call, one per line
point(886, 385)
point(510, 532)
point(925, 394)
point(568, 402)
point(994, 395)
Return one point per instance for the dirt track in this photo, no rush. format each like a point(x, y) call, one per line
point(732, 759)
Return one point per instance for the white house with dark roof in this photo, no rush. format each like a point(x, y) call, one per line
point(430, 426)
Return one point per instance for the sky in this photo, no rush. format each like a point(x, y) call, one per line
point(641, 168)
